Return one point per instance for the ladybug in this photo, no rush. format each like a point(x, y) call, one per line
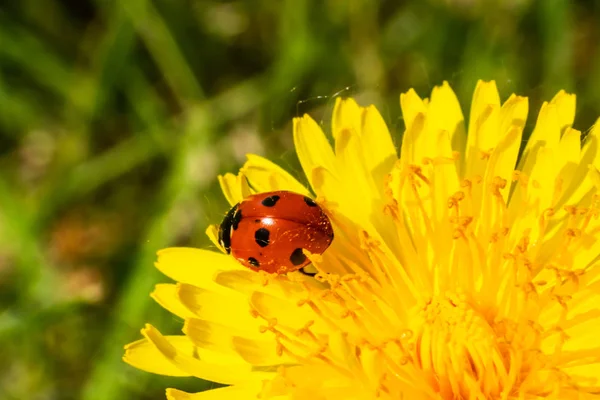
point(268, 231)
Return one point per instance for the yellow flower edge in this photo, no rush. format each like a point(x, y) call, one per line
point(459, 269)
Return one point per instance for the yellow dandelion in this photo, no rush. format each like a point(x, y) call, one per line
point(459, 269)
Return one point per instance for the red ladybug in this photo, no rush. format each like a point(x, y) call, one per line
point(268, 231)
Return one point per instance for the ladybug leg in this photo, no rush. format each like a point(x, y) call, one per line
point(303, 271)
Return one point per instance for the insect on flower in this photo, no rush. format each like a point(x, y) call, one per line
point(269, 231)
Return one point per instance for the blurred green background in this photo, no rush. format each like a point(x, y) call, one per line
point(116, 117)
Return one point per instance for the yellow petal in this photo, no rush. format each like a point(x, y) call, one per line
point(565, 106)
point(580, 353)
point(327, 186)
point(445, 114)
point(483, 140)
point(444, 178)
point(590, 154)
point(412, 138)
point(371, 144)
point(287, 313)
point(346, 115)
point(354, 173)
point(165, 294)
point(247, 282)
point(513, 114)
point(234, 187)
point(570, 148)
point(312, 147)
point(503, 159)
point(594, 175)
point(567, 162)
point(379, 150)
point(543, 177)
point(339, 345)
point(236, 392)
point(227, 374)
point(142, 354)
point(213, 235)
point(485, 95)
point(230, 309)
point(585, 254)
point(261, 353)
point(485, 100)
point(531, 198)
point(595, 132)
point(214, 335)
point(256, 348)
point(587, 374)
point(583, 317)
point(546, 133)
point(195, 266)
point(266, 176)
point(411, 105)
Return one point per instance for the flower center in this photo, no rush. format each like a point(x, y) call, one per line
point(456, 347)
point(466, 353)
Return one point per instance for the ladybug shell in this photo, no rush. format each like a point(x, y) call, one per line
point(268, 231)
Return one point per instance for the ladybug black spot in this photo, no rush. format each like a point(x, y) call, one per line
point(254, 262)
point(303, 271)
point(298, 257)
point(257, 220)
point(237, 217)
point(261, 236)
point(270, 201)
point(310, 202)
point(225, 229)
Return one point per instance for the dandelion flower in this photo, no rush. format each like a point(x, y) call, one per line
point(460, 268)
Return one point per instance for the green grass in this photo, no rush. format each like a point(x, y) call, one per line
point(115, 118)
